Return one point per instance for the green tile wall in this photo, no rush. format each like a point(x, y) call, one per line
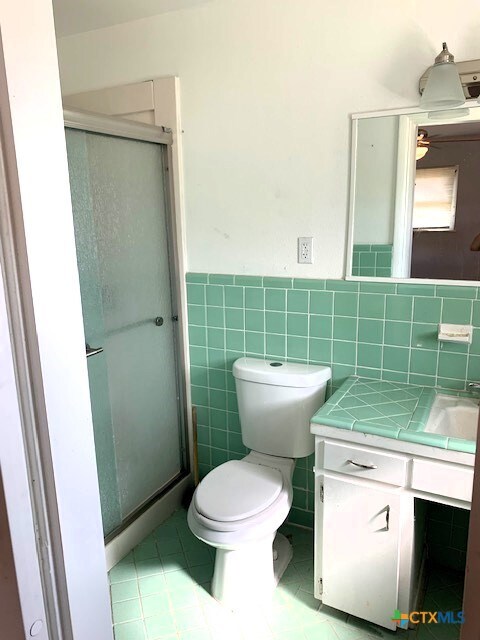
point(447, 535)
point(379, 330)
point(372, 260)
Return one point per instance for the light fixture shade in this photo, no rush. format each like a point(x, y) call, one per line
point(443, 89)
point(421, 152)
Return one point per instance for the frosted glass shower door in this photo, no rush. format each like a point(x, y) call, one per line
point(120, 219)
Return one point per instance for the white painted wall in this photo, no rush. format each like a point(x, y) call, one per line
point(267, 88)
point(375, 180)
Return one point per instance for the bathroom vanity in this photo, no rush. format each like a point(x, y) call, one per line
point(378, 447)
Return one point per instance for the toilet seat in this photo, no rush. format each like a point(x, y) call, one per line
point(269, 509)
point(237, 490)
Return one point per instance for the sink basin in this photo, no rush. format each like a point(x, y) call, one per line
point(454, 417)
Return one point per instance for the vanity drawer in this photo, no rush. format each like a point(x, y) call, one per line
point(443, 479)
point(365, 463)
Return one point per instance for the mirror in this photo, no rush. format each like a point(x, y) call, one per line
point(415, 195)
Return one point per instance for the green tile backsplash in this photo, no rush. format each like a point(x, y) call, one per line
point(372, 260)
point(384, 331)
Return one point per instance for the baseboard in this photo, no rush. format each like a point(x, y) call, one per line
point(140, 528)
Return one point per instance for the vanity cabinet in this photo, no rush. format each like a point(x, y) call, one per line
point(359, 542)
point(368, 543)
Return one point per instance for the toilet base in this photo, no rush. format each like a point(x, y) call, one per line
point(284, 554)
point(248, 576)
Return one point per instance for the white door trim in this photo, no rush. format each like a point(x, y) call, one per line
point(402, 227)
point(13, 464)
point(47, 453)
point(32, 542)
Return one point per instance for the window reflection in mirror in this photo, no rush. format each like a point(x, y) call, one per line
point(416, 199)
point(435, 198)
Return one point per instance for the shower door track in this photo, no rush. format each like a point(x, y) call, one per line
point(145, 506)
point(115, 126)
point(122, 128)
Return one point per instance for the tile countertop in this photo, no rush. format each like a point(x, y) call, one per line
point(388, 409)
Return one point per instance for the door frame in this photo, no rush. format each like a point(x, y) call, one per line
point(19, 472)
point(47, 458)
point(470, 630)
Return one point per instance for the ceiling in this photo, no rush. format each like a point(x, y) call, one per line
point(77, 16)
point(454, 130)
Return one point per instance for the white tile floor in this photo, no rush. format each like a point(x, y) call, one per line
point(161, 591)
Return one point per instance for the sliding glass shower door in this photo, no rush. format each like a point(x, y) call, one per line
point(121, 228)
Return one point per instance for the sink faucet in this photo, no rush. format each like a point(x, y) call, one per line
point(474, 386)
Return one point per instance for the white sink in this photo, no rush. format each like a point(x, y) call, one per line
point(454, 417)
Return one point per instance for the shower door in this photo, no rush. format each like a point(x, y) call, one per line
point(121, 219)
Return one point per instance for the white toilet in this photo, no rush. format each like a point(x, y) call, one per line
point(238, 507)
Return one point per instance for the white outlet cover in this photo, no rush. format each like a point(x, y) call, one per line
point(305, 250)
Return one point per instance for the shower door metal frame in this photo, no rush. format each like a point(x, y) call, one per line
point(122, 128)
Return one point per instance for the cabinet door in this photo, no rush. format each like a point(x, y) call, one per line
point(358, 541)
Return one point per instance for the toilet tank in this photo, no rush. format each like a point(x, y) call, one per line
point(276, 401)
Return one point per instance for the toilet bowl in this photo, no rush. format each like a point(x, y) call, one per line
point(239, 506)
point(237, 509)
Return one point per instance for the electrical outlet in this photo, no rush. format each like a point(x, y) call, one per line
point(305, 250)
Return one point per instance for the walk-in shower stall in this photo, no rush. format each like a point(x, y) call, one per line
point(128, 278)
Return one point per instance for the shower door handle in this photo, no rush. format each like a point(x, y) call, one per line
point(92, 351)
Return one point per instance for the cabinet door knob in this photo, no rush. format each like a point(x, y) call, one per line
point(363, 466)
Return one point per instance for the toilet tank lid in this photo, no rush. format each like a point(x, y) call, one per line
point(282, 374)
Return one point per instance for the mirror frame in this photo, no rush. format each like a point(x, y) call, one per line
point(409, 120)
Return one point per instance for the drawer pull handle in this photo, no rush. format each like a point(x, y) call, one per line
point(363, 466)
point(387, 518)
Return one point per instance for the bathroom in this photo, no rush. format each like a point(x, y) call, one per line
point(276, 141)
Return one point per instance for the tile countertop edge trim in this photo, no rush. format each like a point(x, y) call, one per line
point(418, 417)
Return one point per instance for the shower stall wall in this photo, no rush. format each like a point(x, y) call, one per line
point(120, 199)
